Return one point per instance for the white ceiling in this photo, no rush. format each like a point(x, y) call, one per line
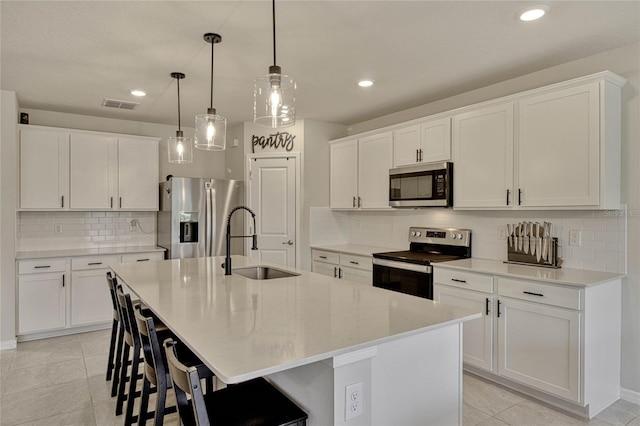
point(68, 55)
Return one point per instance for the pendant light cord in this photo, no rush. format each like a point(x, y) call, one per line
point(211, 99)
point(273, 9)
point(178, 81)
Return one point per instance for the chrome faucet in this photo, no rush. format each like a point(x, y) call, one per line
point(254, 246)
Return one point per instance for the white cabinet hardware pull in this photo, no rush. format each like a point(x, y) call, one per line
point(533, 294)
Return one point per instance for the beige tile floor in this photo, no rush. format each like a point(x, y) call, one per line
point(60, 381)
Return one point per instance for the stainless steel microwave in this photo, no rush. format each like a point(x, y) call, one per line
point(423, 185)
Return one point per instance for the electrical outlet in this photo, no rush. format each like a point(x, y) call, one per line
point(502, 233)
point(575, 238)
point(57, 228)
point(133, 225)
point(353, 401)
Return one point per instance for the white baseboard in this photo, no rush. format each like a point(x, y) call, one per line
point(8, 344)
point(629, 395)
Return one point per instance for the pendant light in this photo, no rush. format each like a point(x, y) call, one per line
point(211, 129)
point(180, 149)
point(274, 94)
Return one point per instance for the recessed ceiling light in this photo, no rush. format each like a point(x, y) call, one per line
point(365, 83)
point(138, 93)
point(533, 12)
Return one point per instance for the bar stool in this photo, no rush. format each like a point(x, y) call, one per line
point(117, 337)
point(156, 372)
point(255, 402)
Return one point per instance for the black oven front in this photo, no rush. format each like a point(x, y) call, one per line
point(404, 277)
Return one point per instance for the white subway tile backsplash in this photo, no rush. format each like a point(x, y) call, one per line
point(603, 233)
point(83, 230)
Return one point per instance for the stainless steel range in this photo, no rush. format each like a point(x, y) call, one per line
point(410, 271)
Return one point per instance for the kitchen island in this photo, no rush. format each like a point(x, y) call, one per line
point(312, 336)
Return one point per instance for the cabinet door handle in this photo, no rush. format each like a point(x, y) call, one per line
point(487, 306)
point(354, 262)
point(120, 202)
point(359, 202)
point(62, 280)
point(322, 257)
point(354, 201)
point(111, 202)
point(420, 155)
point(94, 263)
point(62, 201)
point(498, 308)
point(519, 196)
point(335, 272)
point(340, 273)
point(417, 155)
point(508, 193)
point(142, 260)
point(458, 281)
point(42, 266)
point(533, 294)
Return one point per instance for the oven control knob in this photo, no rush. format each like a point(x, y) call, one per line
point(418, 234)
point(459, 236)
point(413, 233)
point(453, 236)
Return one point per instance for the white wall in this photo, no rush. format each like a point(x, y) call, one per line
point(8, 161)
point(624, 61)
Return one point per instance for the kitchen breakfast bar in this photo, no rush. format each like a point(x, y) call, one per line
point(312, 336)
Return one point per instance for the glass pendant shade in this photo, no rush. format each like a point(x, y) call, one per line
point(211, 131)
point(274, 99)
point(180, 149)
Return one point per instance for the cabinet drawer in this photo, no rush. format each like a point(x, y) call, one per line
point(325, 256)
point(36, 266)
point(564, 297)
point(355, 261)
point(92, 262)
point(468, 280)
point(142, 257)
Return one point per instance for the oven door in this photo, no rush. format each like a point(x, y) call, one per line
point(403, 277)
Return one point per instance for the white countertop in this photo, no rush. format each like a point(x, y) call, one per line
point(40, 254)
point(243, 328)
point(566, 276)
point(357, 249)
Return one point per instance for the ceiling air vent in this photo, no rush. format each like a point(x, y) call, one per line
point(116, 103)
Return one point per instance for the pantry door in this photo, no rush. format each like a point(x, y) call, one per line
point(273, 196)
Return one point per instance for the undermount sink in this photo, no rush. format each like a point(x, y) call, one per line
point(263, 273)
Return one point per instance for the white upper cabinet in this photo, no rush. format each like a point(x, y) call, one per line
point(344, 174)
point(137, 174)
point(559, 148)
point(424, 142)
point(359, 176)
point(62, 169)
point(374, 161)
point(93, 171)
point(483, 157)
point(44, 169)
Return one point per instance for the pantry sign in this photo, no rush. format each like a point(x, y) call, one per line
point(279, 141)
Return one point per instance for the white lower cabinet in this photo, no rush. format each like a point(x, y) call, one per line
point(342, 265)
point(539, 345)
point(58, 295)
point(558, 342)
point(478, 333)
point(42, 302)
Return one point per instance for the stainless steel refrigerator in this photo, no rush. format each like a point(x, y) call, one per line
point(193, 215)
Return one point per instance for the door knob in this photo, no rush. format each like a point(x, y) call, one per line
point(290, 242)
